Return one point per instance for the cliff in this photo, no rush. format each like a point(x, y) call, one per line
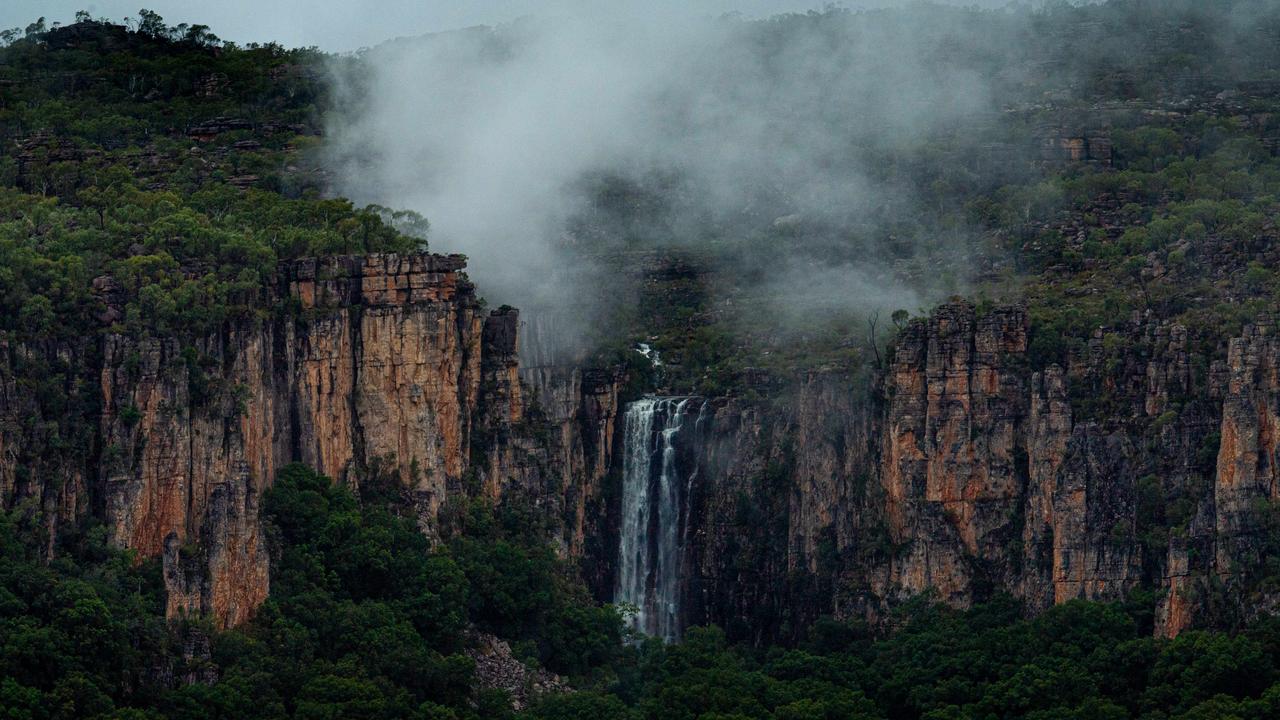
point(958, 471)
point(383, 365)
point(962, 471)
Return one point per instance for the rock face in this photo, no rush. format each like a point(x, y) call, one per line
point(380, 370)
point(1077, 146)
point(1247, 457)
point(776, 501)
point(387, 365)
point(952, 472)
point(962, 471)
point(580, 409)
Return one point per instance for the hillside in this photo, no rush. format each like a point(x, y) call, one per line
point(998, 442)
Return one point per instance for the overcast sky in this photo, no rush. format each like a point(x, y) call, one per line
point(341, 25)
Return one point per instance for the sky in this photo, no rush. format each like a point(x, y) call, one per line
point(344, 25)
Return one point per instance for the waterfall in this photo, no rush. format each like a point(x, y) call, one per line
point(651, 542)
point(633, 545)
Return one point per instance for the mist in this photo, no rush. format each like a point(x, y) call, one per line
point(764, 139)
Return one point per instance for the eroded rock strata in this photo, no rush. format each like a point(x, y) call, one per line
point(960, 470)
point(384, 364)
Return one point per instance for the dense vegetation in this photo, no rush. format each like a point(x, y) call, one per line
point(168, 162)
point(367, 620)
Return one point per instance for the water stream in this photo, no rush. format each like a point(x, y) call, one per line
point(651, 542)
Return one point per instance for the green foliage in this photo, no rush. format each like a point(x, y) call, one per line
point(100, 178)
point(582, 706)
point(75, 637)
point(1078, 660)
point(367, 619)
point(521, 591)
point(186, 264)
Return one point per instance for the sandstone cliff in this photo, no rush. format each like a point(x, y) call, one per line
point(962, 470)
point(382, 364)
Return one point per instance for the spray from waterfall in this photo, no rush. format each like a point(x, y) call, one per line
point(651, 541)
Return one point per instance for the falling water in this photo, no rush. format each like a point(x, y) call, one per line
point(651, 542)
point(633, 548)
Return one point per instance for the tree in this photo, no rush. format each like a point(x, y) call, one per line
point(872, 320)
point(200, 35)
point(581, 706)
point(37, 316)
point(1134, 267)
point(150, 23)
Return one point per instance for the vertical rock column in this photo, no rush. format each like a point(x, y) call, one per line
point(182, 475)
point(956, 401)
point(387, 370)
point(1247, 474)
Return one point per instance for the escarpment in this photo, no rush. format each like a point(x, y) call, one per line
point(384, 365)
point(963, 470)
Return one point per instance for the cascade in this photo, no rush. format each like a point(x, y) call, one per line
point(651, 542)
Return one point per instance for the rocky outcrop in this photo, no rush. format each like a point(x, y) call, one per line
point(1094, 549)
point(1247, 475)
point(496, 668)
point(776, 502)
point(952, 470)
point(387, 371)
point(963, 471)
point(1060, 145)
point(577, 407)
point(960, 470)
point(384, 364)
point(379, 371)
point(854, 492)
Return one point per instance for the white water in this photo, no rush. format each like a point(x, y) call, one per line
point(650, 354)
point(649, 553)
